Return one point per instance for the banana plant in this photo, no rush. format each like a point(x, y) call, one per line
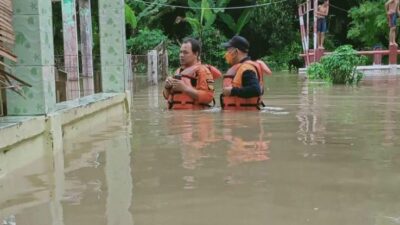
point(148, 11)
point(204, 18)
point(236, 27)
point(130, 17)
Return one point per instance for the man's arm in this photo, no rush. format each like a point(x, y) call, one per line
point(319, 13)
point(251, 86)
point(327, 10)
point(204, 91)
point(205, 86)
point(167, 88)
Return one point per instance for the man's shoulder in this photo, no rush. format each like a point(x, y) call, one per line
point(247, 67)
point(203, 69)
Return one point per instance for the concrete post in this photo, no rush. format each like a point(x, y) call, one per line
point(130, 72)
point(85, 15)
point(112, 45)
point(71, 59)
point(34, 47)
point(319, 54)
point(392, 54)
point(152, 71)
point(166, 61)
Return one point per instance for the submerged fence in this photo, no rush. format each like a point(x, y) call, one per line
point(78, 75)
point(77, 79)
point(147, 70)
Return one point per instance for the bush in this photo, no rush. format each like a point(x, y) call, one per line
point(173, 55)
point(281, 59)
point(316, 71)
point(339, 67)
point(144, 41)
point(213, 52)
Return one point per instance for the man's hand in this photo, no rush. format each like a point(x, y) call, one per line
point(168, 83)
point(178, 85)
point(227, 91)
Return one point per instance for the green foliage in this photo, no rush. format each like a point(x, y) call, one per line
point(236, 27)
point(194, 24)
point(339, 67)
point(213, 52)
point(200, 20)
point(207, 16)
point(130, 17)
point(145, 40)
point(369, 23)
point(173, 55)
point(317, 71)
point(149, 12)
point(243, 20)
point(280, 59)
point(272, 28)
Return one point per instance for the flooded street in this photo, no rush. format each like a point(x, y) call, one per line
point(317, 154)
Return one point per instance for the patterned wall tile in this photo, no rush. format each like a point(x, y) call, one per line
point(34, 48)
point(112, 47)
point(26, 7)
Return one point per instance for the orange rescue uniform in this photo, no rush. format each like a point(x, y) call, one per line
point(200, 77)
point(234, 77)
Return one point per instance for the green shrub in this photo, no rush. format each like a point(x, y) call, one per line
point(316, 71)
point(212, 50)
point(339, 67)
point(280, 60)
point(173, 55)
point(145, 40)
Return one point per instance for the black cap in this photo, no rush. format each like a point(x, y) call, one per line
point(238, 42)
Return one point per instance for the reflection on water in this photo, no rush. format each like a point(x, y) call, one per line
point(94, 185)
point(316, 154)
point(311, 119)
point(243, 139)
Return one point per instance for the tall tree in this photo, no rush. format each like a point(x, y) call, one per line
point(369, 24)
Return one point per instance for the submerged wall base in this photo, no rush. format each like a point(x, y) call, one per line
point(32, 138)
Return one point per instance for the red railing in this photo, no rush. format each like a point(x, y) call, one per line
point(392, 52)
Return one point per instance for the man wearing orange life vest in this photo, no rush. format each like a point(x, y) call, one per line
point(192, 87)
point(243, 83)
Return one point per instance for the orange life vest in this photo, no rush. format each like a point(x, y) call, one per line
point(179, 100)
point(233, 78)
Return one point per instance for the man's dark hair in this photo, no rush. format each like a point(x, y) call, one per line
point(196, 45)
point(320, 2)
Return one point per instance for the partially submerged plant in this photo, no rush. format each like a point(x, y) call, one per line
point(340, 67)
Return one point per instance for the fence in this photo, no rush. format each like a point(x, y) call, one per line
point(142, 71)
point(147, 70)
point(83, 81)
point(376, 55)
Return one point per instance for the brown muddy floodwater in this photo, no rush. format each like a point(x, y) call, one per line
point(317, 155)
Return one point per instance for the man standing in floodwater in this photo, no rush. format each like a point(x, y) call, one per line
point(392, 11)
point(192, 87)
point(322, 13)
point(243, 83)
